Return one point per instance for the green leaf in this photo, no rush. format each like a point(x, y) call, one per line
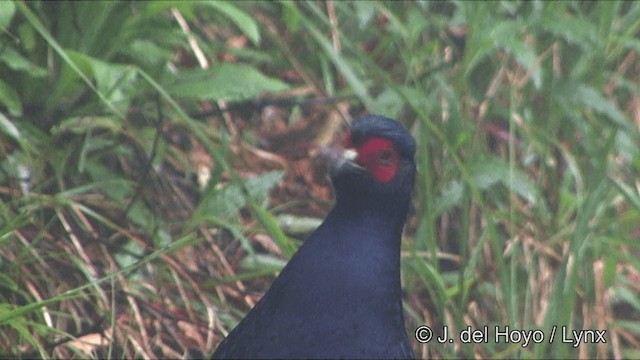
point(117, 188)
point(227, 81)
point(298, 225)
point(632, 195)
point(8, 127)
point(388, 103)
point(396, 25)
point(228, 200)
point(364, 12)
point(7, 10)
point(478, 44)
point(243, 21)
point(260, 186)
point(451, 196)
point(433, 281)
point(627, 147)
point(291, 15)
point(625, 295)
point(9, 98)
point(133, 252)
point(33, 19)
point(574, 29)
point(600, 104)
point(287, 246)
point(222, 202)
point(113, 81)
point(99, 186)
point(488, 171)
point(83, 124)
point(140, 215)
point(263, 263)
point(506, 35)
point(630, 325)
point(17, 62)
point(147, 52)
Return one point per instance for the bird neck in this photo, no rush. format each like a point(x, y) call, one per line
point(374, 225)
point(386, 214)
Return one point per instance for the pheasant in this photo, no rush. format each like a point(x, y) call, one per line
point(340, 295)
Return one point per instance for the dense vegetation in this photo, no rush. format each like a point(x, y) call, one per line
point(157, 163)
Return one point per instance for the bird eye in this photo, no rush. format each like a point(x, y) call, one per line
point(386, 157)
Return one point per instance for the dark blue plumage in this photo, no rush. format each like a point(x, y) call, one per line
point(340, 296)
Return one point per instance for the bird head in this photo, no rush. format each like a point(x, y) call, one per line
point(376, 168)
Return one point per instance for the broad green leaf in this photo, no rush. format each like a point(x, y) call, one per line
point(396, 25)
point(16, 61)
point(221, 202)
point(271, 224)
point(142, 216)
point(631, 325)
point(433, 281)
point(259, 186)
point(478, 44)
point(607, 11)
point(262, 262)
point(74, 77)
point(228, 200)
point(7, 10)
point(298, 225)
point(451, 196)
point(113, 81)
point(35, 22)
point(573, 29)
point(627, 296)
point(365, 12)
point(594, 100)
point(83, 124)
point(242, 20)
point(388, 103)
point(627, 147)
point(291, 15)
point(133, 253)
point(97, 186)
point(488, 171)
point(227, 81)
point(8, 127)
point(117, 188)
point(146, 52)
point(9, 98)
point(508, 36)
point(631, 194)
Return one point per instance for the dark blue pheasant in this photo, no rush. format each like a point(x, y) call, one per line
point(340, 295)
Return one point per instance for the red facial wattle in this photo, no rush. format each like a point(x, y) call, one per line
point(379, 156)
